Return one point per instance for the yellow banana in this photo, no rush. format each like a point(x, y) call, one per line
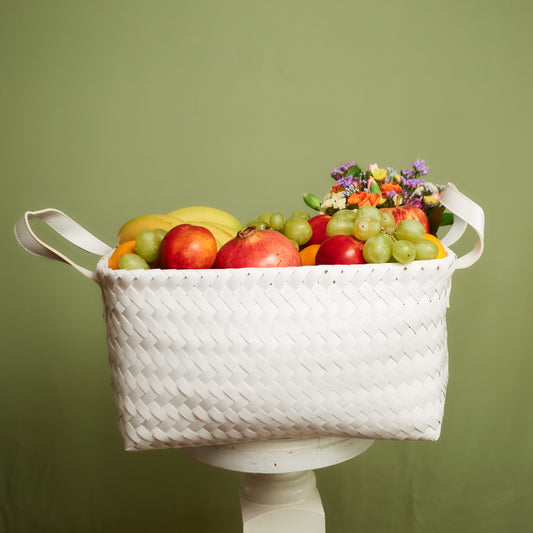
point(228, 229)
point(129, 231)
point(209, 215)
point(222, 236)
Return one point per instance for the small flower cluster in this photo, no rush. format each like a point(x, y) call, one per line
point(381, 187)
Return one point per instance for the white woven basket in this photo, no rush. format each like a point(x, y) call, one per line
point(202, 357)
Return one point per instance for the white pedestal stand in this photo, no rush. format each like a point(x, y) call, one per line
point(278, 488)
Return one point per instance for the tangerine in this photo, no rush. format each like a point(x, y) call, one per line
point(442, 252)
point(127, 247)
point(308, 254)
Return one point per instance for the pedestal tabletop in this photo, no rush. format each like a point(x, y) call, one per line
point(281, 456)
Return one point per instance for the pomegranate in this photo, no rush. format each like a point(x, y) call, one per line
point(340, 250)
point(408, 211)
point(258, 248)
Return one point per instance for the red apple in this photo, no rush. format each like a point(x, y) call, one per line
point(318, 224)
point(188, 246)
point(340, 250)
point(408, 211)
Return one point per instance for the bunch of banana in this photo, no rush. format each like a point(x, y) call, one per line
point(222, 225)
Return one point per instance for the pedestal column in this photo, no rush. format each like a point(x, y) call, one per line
point(284, 503)
point(278, 488)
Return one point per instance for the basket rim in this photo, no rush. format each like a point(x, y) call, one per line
point(104, 272)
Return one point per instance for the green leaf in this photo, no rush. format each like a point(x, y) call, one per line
point(355, 171)
point(446, 219)
point(375, 188)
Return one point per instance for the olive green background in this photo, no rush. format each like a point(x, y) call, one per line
point(114, 109)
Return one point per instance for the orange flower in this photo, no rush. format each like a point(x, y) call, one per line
point(364, 198)
point(388, 187)
point(337, 188)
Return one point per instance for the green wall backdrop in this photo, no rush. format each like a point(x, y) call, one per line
point(113, 109)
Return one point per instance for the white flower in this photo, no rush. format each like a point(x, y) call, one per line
point(431, 188)
point(335, 200)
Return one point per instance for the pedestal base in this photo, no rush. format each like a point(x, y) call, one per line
point(278, 488)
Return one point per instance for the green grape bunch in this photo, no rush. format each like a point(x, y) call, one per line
point(296, 227)
point(384, 240)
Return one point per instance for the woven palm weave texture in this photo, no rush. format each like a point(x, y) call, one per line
point(216, 356)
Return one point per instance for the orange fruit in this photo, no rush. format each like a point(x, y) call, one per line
point(308, 254)
point(127, 247)
point(442, 251)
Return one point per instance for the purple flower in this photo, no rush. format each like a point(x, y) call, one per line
point(407, 173)
point(350, 190)
point(345, 181)
point(412, 183)
point(420, 166)
point(415, 201)
point(390, 174)
point(336, 173)
point(346, 166)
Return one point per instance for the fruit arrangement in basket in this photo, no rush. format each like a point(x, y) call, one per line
point(281, 326)
point(376, 215)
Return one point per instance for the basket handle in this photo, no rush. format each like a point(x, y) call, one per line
point(67, 228)
point(466, 212)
